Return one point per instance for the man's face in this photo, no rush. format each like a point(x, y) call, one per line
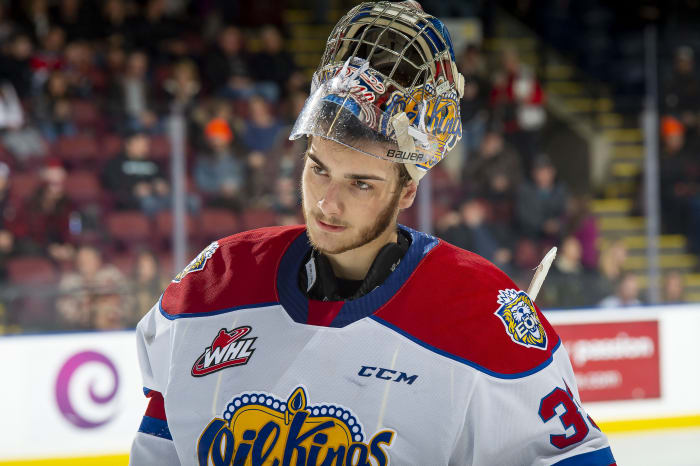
point(349, 199)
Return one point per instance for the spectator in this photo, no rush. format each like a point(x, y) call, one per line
point(136, 181)
point(518, 101)
point(15, 64)
point(228, 66)
point(183, 86)
point(611, 266)
point(494, 174)
point(50, 57)
point(582, 224)
point(569, 284)
point(474, 234)
point(262, 136)
point(130, 95)
point(43, 224)
point(272, 67)
point(114, 24)
point(218, 172)
point(262, 129)
point(53, 109)
point(678, 179)
point(474, 103)
point(88, 295)
point(626, 293)
point(24, 142)
point(674, 288)
point(682, 90)
point(147, 284)
point(541, 203)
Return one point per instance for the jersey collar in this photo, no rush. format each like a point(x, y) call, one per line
point(297, 305)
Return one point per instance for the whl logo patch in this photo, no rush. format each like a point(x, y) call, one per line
point(228, 349)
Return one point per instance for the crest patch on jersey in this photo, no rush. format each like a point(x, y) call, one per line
point(519, 316)
point(198, 262)
point(261, 428)
point(228, 349)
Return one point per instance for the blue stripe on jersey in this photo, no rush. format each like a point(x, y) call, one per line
point(476, 366)
point(210, 313)
point(602, 457)
point(155, 427)
point(297, 304)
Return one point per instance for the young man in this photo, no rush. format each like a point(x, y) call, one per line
point(353, 340)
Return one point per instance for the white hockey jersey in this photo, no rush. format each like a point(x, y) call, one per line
point(445, 363)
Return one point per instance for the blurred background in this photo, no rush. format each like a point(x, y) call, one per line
point(135, 132)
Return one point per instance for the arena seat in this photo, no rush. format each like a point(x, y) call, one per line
point(258, 217)
point(129, 227)
point(218, 223)
point(83, 186)
point(31, 271)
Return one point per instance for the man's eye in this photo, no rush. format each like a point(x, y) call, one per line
point(318, 170)
point(362, 185)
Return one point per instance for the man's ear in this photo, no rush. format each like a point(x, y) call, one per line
point(408, 194)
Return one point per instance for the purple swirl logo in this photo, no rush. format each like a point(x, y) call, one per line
point(86, 388)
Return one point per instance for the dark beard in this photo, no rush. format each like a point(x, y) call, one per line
point(384, 220)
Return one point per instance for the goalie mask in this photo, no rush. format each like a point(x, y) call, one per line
point(387, 86)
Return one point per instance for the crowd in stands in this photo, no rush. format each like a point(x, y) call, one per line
point(86, 89)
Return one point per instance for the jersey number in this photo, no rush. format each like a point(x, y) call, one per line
point(571, 417)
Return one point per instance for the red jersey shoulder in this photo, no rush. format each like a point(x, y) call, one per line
point(463, 306)
point(234, 271)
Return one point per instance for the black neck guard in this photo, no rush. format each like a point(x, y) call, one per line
point(317, 280)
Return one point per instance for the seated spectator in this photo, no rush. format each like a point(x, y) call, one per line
point(674, 288)
point(494, 174)
point(147, 283)
point(130, 96)
point(218, 173)
point(474, 234)
point(183, 85)
point(569, 284)
point(53, 108)
point(682, 90)
point(263, 135)
point(228, 66)
point(626, 293)
point(89, 295)
point(517, 100)
point(679, 180)
point(582, 224)
point(272, 66)
point(262, 128)
point(43, 223)
point(136, 181)
point(610, 265)
point(15, 63)
point(541, 203)
point(474, 102)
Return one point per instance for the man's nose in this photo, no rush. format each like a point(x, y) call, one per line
point(330, 203)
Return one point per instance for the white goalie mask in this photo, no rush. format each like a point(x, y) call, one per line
point(387, 86)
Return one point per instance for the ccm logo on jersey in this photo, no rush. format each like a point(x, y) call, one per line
point(519, 316)
point(228, 349)
point(260, 428)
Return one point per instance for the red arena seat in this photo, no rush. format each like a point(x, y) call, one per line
point(31, 271)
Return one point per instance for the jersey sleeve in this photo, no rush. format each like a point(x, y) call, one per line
point(153, 444)
point(534, 419)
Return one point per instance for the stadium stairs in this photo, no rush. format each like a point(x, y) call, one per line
point(616, 144)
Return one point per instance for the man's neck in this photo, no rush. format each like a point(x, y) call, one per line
point(354, 264)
